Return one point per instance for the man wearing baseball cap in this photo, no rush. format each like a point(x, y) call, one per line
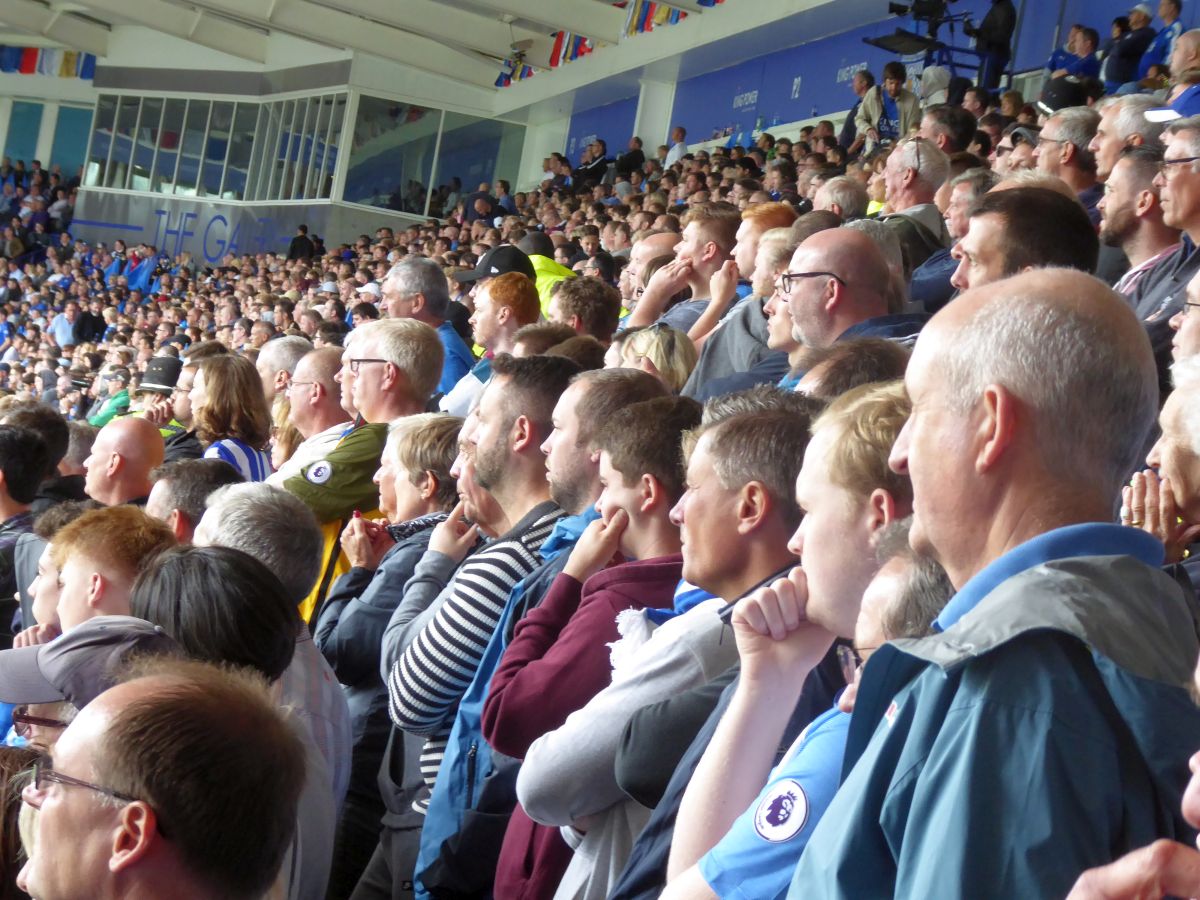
point(83, 663)
point(497, 261)
point(117, 402)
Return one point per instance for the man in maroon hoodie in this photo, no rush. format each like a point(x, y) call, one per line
point(559, 656)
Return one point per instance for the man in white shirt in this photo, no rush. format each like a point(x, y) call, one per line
point(678, 146)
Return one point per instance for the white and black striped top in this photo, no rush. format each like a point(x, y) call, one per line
point(429, 679)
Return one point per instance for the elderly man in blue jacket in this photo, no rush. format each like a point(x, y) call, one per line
point(1046, 729)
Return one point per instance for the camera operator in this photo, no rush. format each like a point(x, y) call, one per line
point(993, 40)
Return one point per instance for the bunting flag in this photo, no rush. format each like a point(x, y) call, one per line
point(641, 16)
point(49, 61)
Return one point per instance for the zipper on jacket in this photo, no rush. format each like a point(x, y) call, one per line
point(471, 754)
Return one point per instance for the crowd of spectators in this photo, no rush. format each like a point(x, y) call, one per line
point(806, 519)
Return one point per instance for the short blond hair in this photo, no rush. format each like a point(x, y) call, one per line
point(672, 353)
point(865, 422)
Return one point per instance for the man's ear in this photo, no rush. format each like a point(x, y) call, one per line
point(997, 427)
point(754, 506)
point(281, 380)
point(179, 525)
point(97, 586)
point(135, 834)
point(523, 435)
point(418, 303)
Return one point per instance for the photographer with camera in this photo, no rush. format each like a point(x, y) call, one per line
point(993, 41)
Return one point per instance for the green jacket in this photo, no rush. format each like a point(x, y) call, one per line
point(116, 405)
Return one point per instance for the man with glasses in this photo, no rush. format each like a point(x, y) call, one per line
point(837, 288)
point(123, 814)
point(1163, 290)
point(316, 411)
point(1063, 149)
point(389, 369)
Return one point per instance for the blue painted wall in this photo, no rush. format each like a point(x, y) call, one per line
point(612, 123)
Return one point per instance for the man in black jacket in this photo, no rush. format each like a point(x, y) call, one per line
point(633, 159)
point(301, 246)
point(993, 40)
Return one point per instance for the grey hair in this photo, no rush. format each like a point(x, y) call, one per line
point(925, 591)
point(979, 180)
point(925, 158)
point(1092, 405)
point(412, 346)
point(1185, 376)
point(1190, 127)
point(1130, 118)
point(1078, 124)
point(283, 354)
point(889, 244)
point(275, 527)
point(421, 275)
point(848, 193)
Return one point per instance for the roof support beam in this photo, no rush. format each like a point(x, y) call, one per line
point(200, 27)
point(333, 28)
point(65, 28)
point(452, 25)
point(598, 21)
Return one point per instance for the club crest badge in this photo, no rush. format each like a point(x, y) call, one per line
point(320, 472)
point(781, 814)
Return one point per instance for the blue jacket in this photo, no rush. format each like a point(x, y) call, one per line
point(1159, 51)
point(1044, 733)
point(468, 761)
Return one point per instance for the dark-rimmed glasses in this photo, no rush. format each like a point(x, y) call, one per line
point(787, 280)
point(355, 363)
point(23, 722)
point(1181, 161)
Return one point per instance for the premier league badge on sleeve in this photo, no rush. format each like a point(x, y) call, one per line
point(781, 814)
point(319, 472)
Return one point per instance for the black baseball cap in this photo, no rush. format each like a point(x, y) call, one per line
point(499, 261)
point(1059, 93)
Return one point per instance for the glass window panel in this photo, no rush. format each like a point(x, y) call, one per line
point(192, 147)
point(270, 151)
point(142, 162)
point(474, 152)
point(216, 147)
point(337, 124)
point(301, 147)
point(320, 134)
point(241, 145)
point(70, 139)
point(23, 126)
point(97, 161)
point(391, 154)
point(170, 134)
point(118, 164)
point(279, 150)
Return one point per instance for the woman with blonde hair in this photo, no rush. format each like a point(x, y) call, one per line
point(232, 417)
point(659, 350)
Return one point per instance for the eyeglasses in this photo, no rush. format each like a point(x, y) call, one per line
point(1166, 169)
point(43, 775)
point(787, 280)
point(850, 660)
point(1042, 139)
point(356, 363)
point(23, 723)
point(1188, 306)
point(292, 384)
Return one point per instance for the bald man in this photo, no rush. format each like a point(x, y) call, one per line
point(123, 455)
point(837, 288)
point(650, 247)
point(316, 410)
point(1021, 744)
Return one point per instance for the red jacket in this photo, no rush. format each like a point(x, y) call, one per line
point(557, 661)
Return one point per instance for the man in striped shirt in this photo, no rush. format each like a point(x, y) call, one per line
point(435, 640)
